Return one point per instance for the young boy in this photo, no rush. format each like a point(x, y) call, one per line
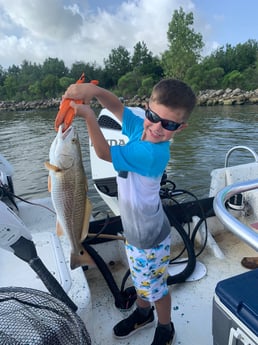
point(140, 165)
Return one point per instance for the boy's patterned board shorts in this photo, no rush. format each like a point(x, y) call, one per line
point(149, 269)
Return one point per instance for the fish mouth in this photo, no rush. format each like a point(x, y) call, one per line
point(62, 148)
point(69, 132)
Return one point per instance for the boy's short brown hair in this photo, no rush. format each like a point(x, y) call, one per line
point(174, 93)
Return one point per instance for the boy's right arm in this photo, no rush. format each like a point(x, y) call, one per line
point(88, 91)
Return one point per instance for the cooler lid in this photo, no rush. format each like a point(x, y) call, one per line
point(240, 295)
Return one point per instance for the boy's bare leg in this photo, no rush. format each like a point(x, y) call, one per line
point(163, 308)
point(142, 303)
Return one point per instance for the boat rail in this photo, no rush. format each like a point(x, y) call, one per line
point(241, 230)
point(240, 148)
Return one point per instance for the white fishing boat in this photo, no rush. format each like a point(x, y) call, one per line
point(213, 295)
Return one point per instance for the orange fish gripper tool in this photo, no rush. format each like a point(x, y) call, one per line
point(66, 112)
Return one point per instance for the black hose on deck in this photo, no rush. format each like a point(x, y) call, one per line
point(121, 300)
point(188, 270)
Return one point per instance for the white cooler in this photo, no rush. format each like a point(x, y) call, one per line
point(235, 310)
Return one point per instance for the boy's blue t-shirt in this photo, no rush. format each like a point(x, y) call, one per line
point(144, 221)
point(142, 157)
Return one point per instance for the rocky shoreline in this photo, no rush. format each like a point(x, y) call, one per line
point(213, 98)
point(204, 98)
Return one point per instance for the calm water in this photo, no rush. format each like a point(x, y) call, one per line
point(25, 139)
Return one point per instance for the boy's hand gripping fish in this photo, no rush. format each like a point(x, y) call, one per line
point(66, 113)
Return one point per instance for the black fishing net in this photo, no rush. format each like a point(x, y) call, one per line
point(32, 317)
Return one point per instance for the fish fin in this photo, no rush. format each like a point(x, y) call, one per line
point(84, 259)
point(86, 221)
point(49, 187)
point(59, 229)
point(52, 167)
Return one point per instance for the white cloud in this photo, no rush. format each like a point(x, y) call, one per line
point(35, 30)
point(47, 19)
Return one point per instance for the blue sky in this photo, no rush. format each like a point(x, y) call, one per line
point(87, 30)
point(230, 21)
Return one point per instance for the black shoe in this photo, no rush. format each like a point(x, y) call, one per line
point(132, 324)
point(163, 336)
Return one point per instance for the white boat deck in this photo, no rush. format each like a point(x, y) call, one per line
point(191, 301)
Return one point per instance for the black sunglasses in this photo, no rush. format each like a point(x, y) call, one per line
point(166, 124)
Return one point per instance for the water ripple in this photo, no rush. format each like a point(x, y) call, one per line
point(25, 139)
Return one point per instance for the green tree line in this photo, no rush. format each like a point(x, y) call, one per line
point(130, 74)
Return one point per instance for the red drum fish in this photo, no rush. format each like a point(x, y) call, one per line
point(68, 186)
